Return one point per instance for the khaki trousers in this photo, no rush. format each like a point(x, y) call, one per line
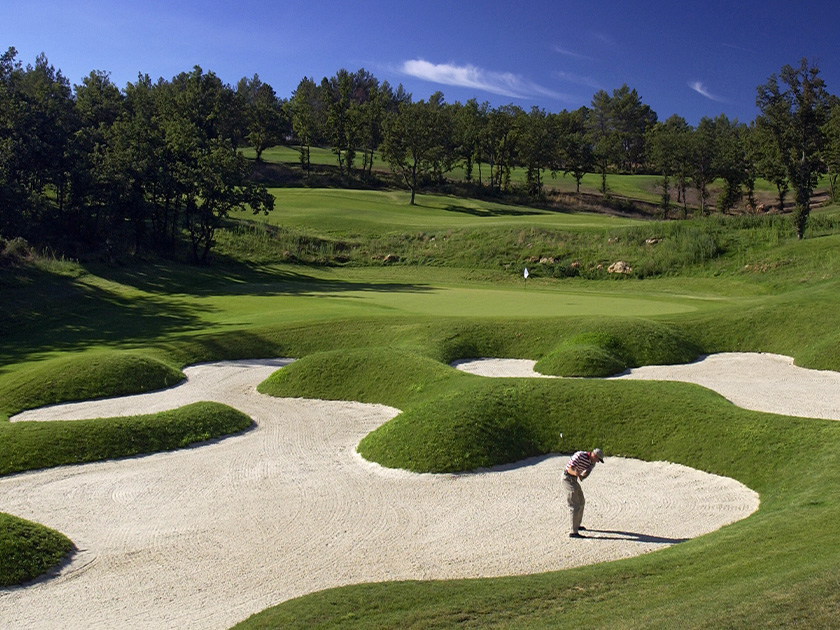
point(574, 496)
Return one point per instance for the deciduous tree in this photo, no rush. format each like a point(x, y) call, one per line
point(410, 145)
point(266, 122)
point(575, 150)
point(831, 151)
point(794, 108)
point(306, 113)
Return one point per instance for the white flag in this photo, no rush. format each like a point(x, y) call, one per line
point(526, 273)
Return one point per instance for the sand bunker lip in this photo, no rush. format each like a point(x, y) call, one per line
point(757, 381)
point(204, 537)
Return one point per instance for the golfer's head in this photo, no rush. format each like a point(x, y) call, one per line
point(598, 454)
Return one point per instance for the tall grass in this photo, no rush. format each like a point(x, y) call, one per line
point(652, 249)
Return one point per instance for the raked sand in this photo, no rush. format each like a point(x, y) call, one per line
point(204, 537)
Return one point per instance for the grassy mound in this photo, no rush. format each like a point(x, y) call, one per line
point(494, 422)
point(611, 346)
point(589, 354)
point(374, 375)
point(84, 377)
point(33, 445)
point(27, 549)
point(481, 425)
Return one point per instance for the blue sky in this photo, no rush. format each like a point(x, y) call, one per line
point(690, 58)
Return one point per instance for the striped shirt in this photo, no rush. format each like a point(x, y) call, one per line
point(581, 463)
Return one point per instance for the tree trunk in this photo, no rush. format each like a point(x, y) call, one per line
point(413, 180)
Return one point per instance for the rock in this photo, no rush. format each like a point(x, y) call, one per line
point(619, 266)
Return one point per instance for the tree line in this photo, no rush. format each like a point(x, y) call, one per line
point(157, 165)
point(153, 167)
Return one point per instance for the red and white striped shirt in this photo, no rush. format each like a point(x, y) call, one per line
point(581, 463)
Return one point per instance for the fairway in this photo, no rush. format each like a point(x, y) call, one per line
point(138, 311)
point(372, 212)
point(485, 302)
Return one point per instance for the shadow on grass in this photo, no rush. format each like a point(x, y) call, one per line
point(43, 312)
point(492, 212)
point(228, 278)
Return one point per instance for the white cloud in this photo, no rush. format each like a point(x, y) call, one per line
point(700, 88)
point(470, 76)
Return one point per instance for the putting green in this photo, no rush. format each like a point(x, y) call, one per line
point(411, 300)
point(475, 302)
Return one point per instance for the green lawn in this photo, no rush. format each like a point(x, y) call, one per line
point(359, 211)
point(384, 333)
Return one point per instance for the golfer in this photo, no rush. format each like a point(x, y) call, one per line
point(578, 469)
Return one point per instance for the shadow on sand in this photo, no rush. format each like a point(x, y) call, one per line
point(608, 534)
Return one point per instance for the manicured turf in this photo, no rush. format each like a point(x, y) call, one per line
point(383, 333)
point(97, 375)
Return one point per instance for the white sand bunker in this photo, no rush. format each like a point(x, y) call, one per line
point(204, 537)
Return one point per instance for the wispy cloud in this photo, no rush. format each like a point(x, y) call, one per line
point(571, 53)
point(469, 76)
point(700, 88)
